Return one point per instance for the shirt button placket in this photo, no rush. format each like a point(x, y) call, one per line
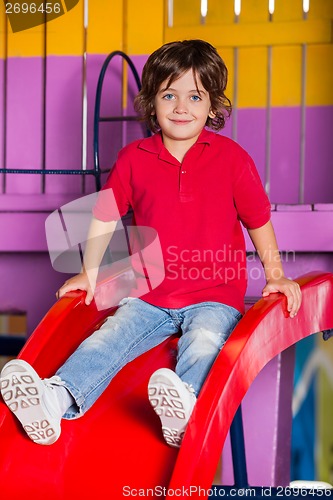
point(181, 180)
point(185, 190)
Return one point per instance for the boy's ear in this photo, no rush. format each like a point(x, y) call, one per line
point(211, 114)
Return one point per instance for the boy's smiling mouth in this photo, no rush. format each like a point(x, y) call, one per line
point(180, 122)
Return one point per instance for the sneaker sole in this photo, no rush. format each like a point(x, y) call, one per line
point(22, 391)
point(168, 405)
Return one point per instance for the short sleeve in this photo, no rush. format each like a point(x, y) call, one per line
point(113, 200)
point(251, 201)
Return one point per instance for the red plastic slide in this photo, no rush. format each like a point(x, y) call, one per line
point(116, 450)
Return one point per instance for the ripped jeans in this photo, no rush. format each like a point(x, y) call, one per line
point(137, 327)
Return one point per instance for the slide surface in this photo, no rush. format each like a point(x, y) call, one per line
point(116, 450)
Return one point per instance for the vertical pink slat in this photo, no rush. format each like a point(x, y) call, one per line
point(24, 122)
point(251, 135)
point(64, 122)
point(318, 155)
point(285, 154)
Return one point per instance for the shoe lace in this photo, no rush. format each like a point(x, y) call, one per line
point(51, 382)
point(190, 388)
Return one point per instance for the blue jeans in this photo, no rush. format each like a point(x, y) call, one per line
point(137, 327)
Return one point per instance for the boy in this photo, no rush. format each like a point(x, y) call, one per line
point(192, 186)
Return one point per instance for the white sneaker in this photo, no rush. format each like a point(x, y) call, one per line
point(32, 400)
point(173, 401)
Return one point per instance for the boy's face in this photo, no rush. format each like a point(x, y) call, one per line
point(181, 110)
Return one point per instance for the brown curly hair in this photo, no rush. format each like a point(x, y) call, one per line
point(170, 62)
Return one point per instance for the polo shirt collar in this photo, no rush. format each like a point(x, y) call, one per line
point(154, 144)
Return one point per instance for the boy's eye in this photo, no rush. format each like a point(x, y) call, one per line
point(195, 98)
point(168, 97)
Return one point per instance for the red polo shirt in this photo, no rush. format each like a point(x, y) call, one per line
point(196, 207)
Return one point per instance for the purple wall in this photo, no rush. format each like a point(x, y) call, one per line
point(63, 149)
point(63, 77)
point(2, 121)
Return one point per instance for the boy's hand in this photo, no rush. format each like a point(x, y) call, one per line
point(290, 289)
point(79, 282)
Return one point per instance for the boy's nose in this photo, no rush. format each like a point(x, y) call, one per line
point(180, 107)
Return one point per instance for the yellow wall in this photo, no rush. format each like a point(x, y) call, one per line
point(290, 38)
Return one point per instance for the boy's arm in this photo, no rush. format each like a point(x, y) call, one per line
point(99, 236)
point(265, 243)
